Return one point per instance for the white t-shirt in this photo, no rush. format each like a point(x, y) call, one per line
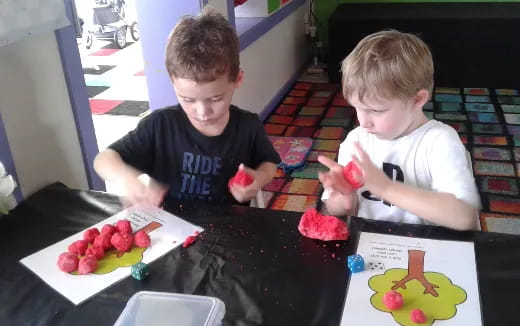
point(431, 157)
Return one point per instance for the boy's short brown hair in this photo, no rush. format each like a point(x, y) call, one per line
point(203, 48)
point(388, 64)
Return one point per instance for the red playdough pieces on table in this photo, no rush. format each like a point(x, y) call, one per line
point(393, 300)
point(108, 229)
point(124, 226)
point(122, 241)
point(352, 173)
point(78, 247)
point(103, 241)
point(241, 178)
point(98, 252)
point(322, 227)
point(87, 264)
point(90, 234)
point(142, 239)
point(68, 262)
point(417, 316)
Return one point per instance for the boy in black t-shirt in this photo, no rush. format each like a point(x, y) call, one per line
point(190, 151)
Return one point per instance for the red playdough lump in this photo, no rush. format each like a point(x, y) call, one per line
point(68, 262)
point(122, 241)
point(123, 226)
point(108, 229)
point(322, 227)
point(78, 247)
point(351, 172)
point(142, 239)
point(96, 251)
point(189, 241)
point(241, 178)
point(90, 234)
point(87, 264)
point(417, 316)
point(103, 241)
point(393, 300)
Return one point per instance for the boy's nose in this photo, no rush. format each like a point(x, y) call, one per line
point(203, 110)
point(364, 121)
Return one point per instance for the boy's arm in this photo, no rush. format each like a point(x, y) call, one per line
point(262, 176)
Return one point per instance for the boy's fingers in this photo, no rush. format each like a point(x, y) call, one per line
point(327, 161)
point(246, 169)
point(362, 155)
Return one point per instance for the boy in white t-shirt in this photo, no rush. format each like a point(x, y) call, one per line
point(414, 170)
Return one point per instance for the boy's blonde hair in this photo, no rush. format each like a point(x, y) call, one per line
point(203, 48)
point(388, 65)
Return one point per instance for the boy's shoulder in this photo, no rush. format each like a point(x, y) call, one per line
point(243, 114)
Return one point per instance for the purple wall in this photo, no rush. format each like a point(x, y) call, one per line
point(156, 19)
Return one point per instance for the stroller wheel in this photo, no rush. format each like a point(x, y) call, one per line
point(120, 37)
point(134, 32)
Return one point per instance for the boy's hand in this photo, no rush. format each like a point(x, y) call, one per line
point(373, 178)
point(246, 193)
point(143, 190)
point(334, 180)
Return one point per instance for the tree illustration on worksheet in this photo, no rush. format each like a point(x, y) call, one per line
point(432, 292)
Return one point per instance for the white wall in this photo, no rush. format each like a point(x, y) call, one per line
point(37, 115)
point(271, 61)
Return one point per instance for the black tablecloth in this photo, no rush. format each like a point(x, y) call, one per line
point(252, 259)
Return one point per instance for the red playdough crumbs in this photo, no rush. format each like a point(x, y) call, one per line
point(142, 239)
point(124, 226)
point(189, 241)
point(103, 241)
point(78, 247)
point(122, 241)
point(87, 264)
point(96, 251)
point(108, 229)
point(90, 234)
point(241, 178)
point(417, 316)
point(68, 262)
point(393, 300)
point(322, 227)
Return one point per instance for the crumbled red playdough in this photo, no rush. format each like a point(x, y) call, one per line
point(189, 241)
point(417, 316)
point(96, 251)
point(322, 227)
point(109, 229)
point(122, 241)
point(103, 241)
point(142, 239)
point(352, 173)
point(68, 262)
point(78, 247)
point(90, 234)
point(87, 264)
point(393, 300)
point(241, 178)
point(124, 226)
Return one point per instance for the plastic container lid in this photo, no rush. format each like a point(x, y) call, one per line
point(163, 308)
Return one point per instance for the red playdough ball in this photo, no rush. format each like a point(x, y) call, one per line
point(108, 229)
point(322, 227)
point(87, 264)
point(123, 226)
point(417, 316)
point(90, 234)
point(68, 262)
point(78, 247)
point(96, 251)
point(122, 241)
point(241, 178)
point(103, 241)
point(393, 300)
point(142, 239)
point(352, 173)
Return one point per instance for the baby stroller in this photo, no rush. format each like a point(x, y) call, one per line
point(109, 23)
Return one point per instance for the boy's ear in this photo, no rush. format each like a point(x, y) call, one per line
point(240, 78)
point(421, 97)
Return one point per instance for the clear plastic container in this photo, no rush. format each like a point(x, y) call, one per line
point(163, 308)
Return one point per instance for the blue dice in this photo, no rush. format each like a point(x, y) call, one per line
point(139, 271)
point(356, 263)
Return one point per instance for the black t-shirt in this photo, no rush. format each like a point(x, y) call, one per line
point(167, 147)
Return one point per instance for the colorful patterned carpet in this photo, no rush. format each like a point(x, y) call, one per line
point(487, 120)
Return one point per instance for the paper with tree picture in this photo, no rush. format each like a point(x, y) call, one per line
point(437, 276)
point(166, 232)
